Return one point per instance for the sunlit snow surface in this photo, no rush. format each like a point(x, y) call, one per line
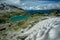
point(46, 30)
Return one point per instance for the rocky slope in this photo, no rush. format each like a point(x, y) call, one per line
point(7, 7)
point(48, 29)
point(10, 10)
point(7, 11)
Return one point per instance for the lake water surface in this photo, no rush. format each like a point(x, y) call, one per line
point(18, 18)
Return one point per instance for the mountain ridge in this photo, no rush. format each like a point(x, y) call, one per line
point(4, 6)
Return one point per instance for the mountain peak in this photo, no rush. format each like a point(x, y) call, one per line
point(7, 7)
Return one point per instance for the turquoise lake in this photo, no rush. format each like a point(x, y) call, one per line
point(18, 18)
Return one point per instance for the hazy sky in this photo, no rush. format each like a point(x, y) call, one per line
point(12, 2)
point(34, 4)
point(40, 4)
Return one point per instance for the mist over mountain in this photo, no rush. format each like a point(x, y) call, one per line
point(11, 2)
point(34, 4)
point(7, 7)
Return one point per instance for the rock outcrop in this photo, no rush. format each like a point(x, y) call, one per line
point(4, 7)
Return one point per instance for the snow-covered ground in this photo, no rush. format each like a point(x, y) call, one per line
point(48, 29)
point(45, 30)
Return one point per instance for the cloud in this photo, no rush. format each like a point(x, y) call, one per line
point(40, 0)
point(53, 6)
point(44, 6)
point(12, 2)
point(31, 7)
point(36, 5)
point(23, 4)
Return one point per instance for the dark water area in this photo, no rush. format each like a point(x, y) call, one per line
point(40, 11)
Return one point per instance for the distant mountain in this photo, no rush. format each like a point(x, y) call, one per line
point(7, 7)
point(41, 11)
point(11, 8)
